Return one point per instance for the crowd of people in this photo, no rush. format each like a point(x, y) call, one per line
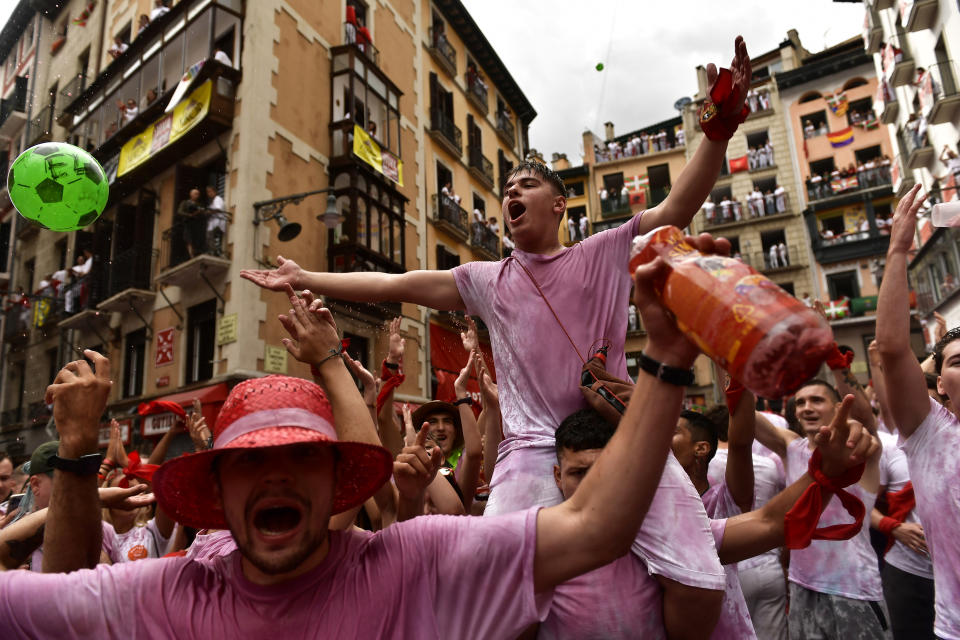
point(759, 204)
point(760, 156)
point(873, 172)
point(310, 509)
point(640, 144)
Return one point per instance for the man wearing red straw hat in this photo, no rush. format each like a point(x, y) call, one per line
point(276, 473)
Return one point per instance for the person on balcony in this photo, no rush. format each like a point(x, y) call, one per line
point(584, 224)
point(816, 186)
point(951, 161)
point(755, 203)
point(192, 219)
point(220, 56)
point(644, 143)
point(128, 110)
point(767, 150)
point(572, 229)
point(350, 26)
point(709, 210)
point(808, 130)
point(160, 8)
point(752, 158)
point(216, 221)
point(769, 203)
point(725, 209)
point(142, 23)
point(764, 97)
point(773, 258)
point(119, 46)
point(782, 253)
point(681, 137)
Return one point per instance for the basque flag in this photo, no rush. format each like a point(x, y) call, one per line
point(841, 138)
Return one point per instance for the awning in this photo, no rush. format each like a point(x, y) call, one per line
point(447, 358)
point(211, 399)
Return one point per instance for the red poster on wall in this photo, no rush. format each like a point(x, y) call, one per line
point(165, 347)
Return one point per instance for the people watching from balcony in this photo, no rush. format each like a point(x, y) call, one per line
point(860, 117)
point(680, 137)
point(159, 9)
point(780, 198)
point(584, 227)
point(508, 244)
point(755, 203)
point(726, 209)
point(572, 229)
point(769, 202)
point(772, 257)
point(808, 129)
point(758, 100)
point(709, 210)
point(75, 295)
point(447, 191)
point(603, 194)
point(493, 226)
point(782, 253)
point(917, 129)
point(474, 79)
point(119, 46)
point(149, 98)
point(128, 110)
point(638, 144)
point(191, 217)
point(142, 23)
point(951, 161)
point(216, 221)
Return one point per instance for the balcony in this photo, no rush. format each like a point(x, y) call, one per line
point(72, 90)
point(898, 65)
point(941, 94)
point(847, 246)
point(210, 259)
point(480, 167)
point(361, 42)
point(880, 5)
point(484, 241)
point(933, 271)
point(505, 129)
point(477, 91)
point(129, 281)
point(13, 110)
point(615, 206)
point(16, 328)
point(450, 216)
point(839, 187)
point(778, 262)
point(901, 180)
point(445, 132)
point(889, 111)
point(350, 257)
point(872, 31)
point(923, 15)
point(41, 126)
point(919, 151)
point(26, 229)
point(442, 51)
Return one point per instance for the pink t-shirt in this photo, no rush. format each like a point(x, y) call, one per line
point(735, 622)
point(588, 286)
point(36, 558)
point(211, 545)
point(768, 480)
point(431, 577)
point(838, 567)
point(141, 542)
point(894, 475)
point(933, 452)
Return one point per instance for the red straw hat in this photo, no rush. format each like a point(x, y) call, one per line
point(268, 412)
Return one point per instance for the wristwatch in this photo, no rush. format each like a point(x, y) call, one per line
point(87, 465)
point(670, 375)
point(465, 400)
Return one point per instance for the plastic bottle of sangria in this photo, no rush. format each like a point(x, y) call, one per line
point(764, 337)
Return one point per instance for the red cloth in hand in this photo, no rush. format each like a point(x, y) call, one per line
point(800, 523)
point(720, 115)
point(733, 392)
point(837, 360)
point(160, 406)
point(899, 505)
point(389, 384)
point(137, 469)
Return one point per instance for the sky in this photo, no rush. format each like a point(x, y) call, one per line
point(649, 50)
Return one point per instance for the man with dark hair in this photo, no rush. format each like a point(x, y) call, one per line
point(929, 433)
point(512, 297)
point(835, 587)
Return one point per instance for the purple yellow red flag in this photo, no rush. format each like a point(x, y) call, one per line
point(840, 138)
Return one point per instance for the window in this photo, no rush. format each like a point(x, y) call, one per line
point(575, 189)
point(860, 111)
point(775, 251)
point(833, 224)
point(809, 97)
point(757, 138)
point(133, 363)
point(870, 153)
point(357, 348)
point(719, 193)
point(5, 230)
point(479, 204)
point(734, 244)
point(820, 167)
point(814, 124)
point(724, 168)
point(843, 285)
point(444, 178)
point(125, 31)
point(505, 166)
point(201, 339)
point(446, 259)
point(788, 287)
point(853, 83)
point(613, 183)
point(659, 176)
point(61, 250)
point(765, 184)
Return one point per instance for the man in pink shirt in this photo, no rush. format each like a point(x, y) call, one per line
point(276, 473)
point(539, 370)
point(929, 433)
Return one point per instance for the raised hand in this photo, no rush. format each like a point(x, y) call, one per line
point(79, 397)
point(409, 433)
point(197, 427)
point(314, 334)
point(844, 443)
point(397, 343)
point(414, 469)
point(469, 337)
point(742, 75)
point(941, 326)
point(286, 274)
point(460, 384)
point(366, 379)
point(904, 228)
point(488, 390)
point(125, 499)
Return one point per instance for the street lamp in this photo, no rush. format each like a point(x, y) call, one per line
point(272, 209)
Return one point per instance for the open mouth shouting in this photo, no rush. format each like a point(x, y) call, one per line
point(515, 209)
point(277, 520)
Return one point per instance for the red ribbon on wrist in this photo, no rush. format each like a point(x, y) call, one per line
point(719, 114)
point(734, 392)
point(388, 385)
point(899, 505)
point(887, 525)
point(800, 523)
point(837, 360)
point(388, 372)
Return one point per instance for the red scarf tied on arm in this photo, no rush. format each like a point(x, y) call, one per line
point(733, 393)
point(390, 380)
point(720, 115)
point(800, 523)
point(137, 469)
point(837, 360)
point(899, 504)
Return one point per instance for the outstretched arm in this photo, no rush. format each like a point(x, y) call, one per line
point(773, 437)
point(599, 522)
point(435, 289)
point(843, 444)
point(910, 404)
point(739, 473)
point(694, 183)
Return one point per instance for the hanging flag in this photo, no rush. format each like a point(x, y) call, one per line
point(637, 186)
point(837, 309)
point(840, 138)
point(81, 20)
point(838, 103)
point(738, 164)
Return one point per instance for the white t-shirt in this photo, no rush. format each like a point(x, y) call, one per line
point(933, 453)
point(894, 475)
point(142, 541)
point(217, 220)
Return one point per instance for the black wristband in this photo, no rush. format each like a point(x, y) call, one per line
point(391, 365)
point(87, 465)
point(466, 400)
point(670, 375)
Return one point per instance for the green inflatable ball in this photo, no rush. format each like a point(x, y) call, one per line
point(58, 186)
point(599, 66)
